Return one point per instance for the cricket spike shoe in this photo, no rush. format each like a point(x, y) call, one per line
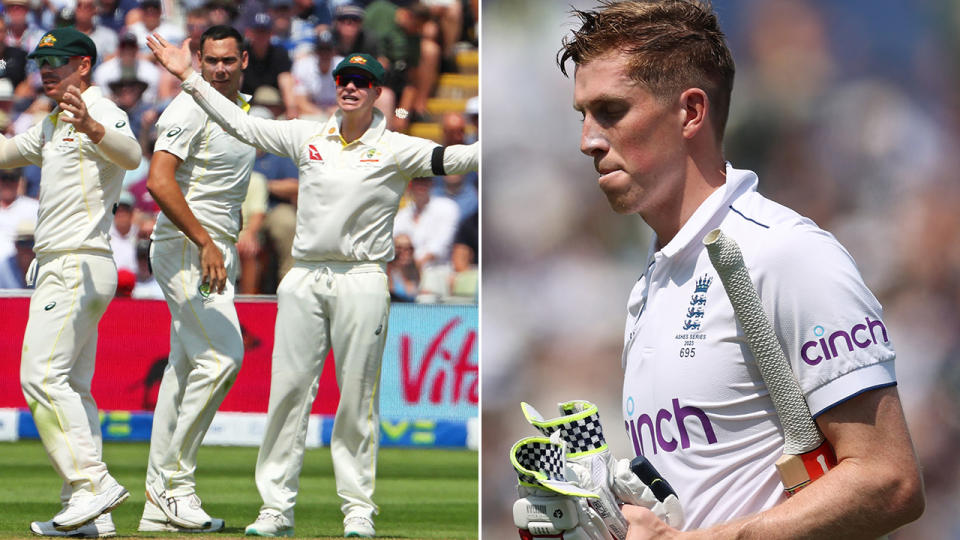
point(101, 527)
point(182, 510)
point(154, 520)
point(358, 527)
point(84, 507)
point(269, 523)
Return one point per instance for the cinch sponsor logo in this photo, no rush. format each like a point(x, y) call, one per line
point(656, 435)
point(860, 336)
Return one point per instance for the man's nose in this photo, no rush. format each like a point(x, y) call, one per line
point(592, 138)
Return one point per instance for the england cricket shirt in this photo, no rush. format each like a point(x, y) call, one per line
point(215, 171)
point(693, 400)
point(349, 193)
point(79, 185)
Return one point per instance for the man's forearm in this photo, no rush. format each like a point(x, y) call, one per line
point(165, 191)
point(10, 156)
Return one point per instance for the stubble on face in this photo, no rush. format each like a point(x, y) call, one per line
point(222, 64)
point(630, 134)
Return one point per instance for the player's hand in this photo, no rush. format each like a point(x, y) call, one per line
point(211, 264)
point(638, 483)
point(550, 506)
point(645, 525)
point(78, 116)
point(177, 60)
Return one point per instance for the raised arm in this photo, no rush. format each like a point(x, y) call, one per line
point(277, 137)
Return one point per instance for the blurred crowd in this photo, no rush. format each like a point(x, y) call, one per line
point(848, 111)
point(430, 51)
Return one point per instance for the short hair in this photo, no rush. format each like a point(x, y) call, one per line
point(221, 31)
point(670, 45)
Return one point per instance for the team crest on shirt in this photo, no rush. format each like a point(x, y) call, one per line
point(691, 328)
point(370, 157)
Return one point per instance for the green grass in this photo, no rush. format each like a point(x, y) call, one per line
point(421, 493)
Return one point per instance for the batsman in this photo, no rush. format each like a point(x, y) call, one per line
point(653, 82)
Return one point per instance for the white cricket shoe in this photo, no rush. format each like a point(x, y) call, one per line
point(358, 527)
point(154, 520)
point(84, 507)
point(183, 510)
point(102, 527)
point(269, 523)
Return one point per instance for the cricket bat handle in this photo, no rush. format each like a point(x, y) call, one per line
point(806, 454)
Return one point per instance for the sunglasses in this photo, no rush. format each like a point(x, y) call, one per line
point(358, 81)
point(52, 61)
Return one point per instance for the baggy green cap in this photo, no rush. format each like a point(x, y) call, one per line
point(363, 62)
point(66, 41)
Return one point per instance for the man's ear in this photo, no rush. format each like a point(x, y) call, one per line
point(695, 106)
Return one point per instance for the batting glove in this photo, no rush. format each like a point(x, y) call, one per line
point(614, 482)
point(549, 506)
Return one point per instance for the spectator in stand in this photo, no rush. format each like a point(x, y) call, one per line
point(254, 210)
point(461, 189)
point(447, 28)
point(13, 271)
point(464, 258)
point(127, 64)
point(472, 114)
point(310, 17)
point(399, 31)
point(431, 223)
point(152, 21)
point(21, 31)
point(127, 93)
point(146, 286)
point(221, 12)
point(402, 271)
point(281, 11)
point(104, 37)
point(113, 13)
point(315, 89)
point(123, 234)
point(15, 209)
point(269, 64)
point(14, 59)
point(349, 33)
point(198, 20)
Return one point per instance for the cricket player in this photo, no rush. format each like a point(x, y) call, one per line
point(198, 176)
point(83, 148)
point(653, 82)
point(353, 172)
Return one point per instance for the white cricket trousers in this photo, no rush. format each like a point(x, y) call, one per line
point(324, 305)
point(206, 350)
point(72, 292)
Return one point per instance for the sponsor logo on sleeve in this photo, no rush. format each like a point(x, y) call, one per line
point(313, 153)
point(119, 124)
point(860, 336)
point(173, 132)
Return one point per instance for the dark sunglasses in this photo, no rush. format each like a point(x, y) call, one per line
point(52, 61)
point(358, 81)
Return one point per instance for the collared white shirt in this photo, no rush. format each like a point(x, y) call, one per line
point(79, 185)
point(693, 400)
point(215, 171)
point(432, 231)
point(348, 194)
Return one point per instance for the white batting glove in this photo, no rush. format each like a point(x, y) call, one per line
point(596, 470)
point(549, 506)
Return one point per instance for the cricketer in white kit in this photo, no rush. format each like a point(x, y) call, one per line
point(353, 172)
point(83, 148)
point(694, 403)
point(199, 176)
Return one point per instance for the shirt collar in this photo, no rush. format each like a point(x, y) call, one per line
point(331, 129)
point(243, 100)
point(738, 182)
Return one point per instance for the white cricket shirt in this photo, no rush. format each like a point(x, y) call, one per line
point(349, 194)
point(693, 400)
point(215, 171)
point(79, 185)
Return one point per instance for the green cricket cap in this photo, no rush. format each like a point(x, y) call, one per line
point(362, 62)
point(66, 41)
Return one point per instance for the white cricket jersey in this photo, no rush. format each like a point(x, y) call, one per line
point(79, 185)
point(693, 400)
point(215, 171)
point(349, 194)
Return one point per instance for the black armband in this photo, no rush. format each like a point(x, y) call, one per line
point(436, 161)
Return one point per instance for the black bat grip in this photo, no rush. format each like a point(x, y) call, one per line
point(649, 476)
